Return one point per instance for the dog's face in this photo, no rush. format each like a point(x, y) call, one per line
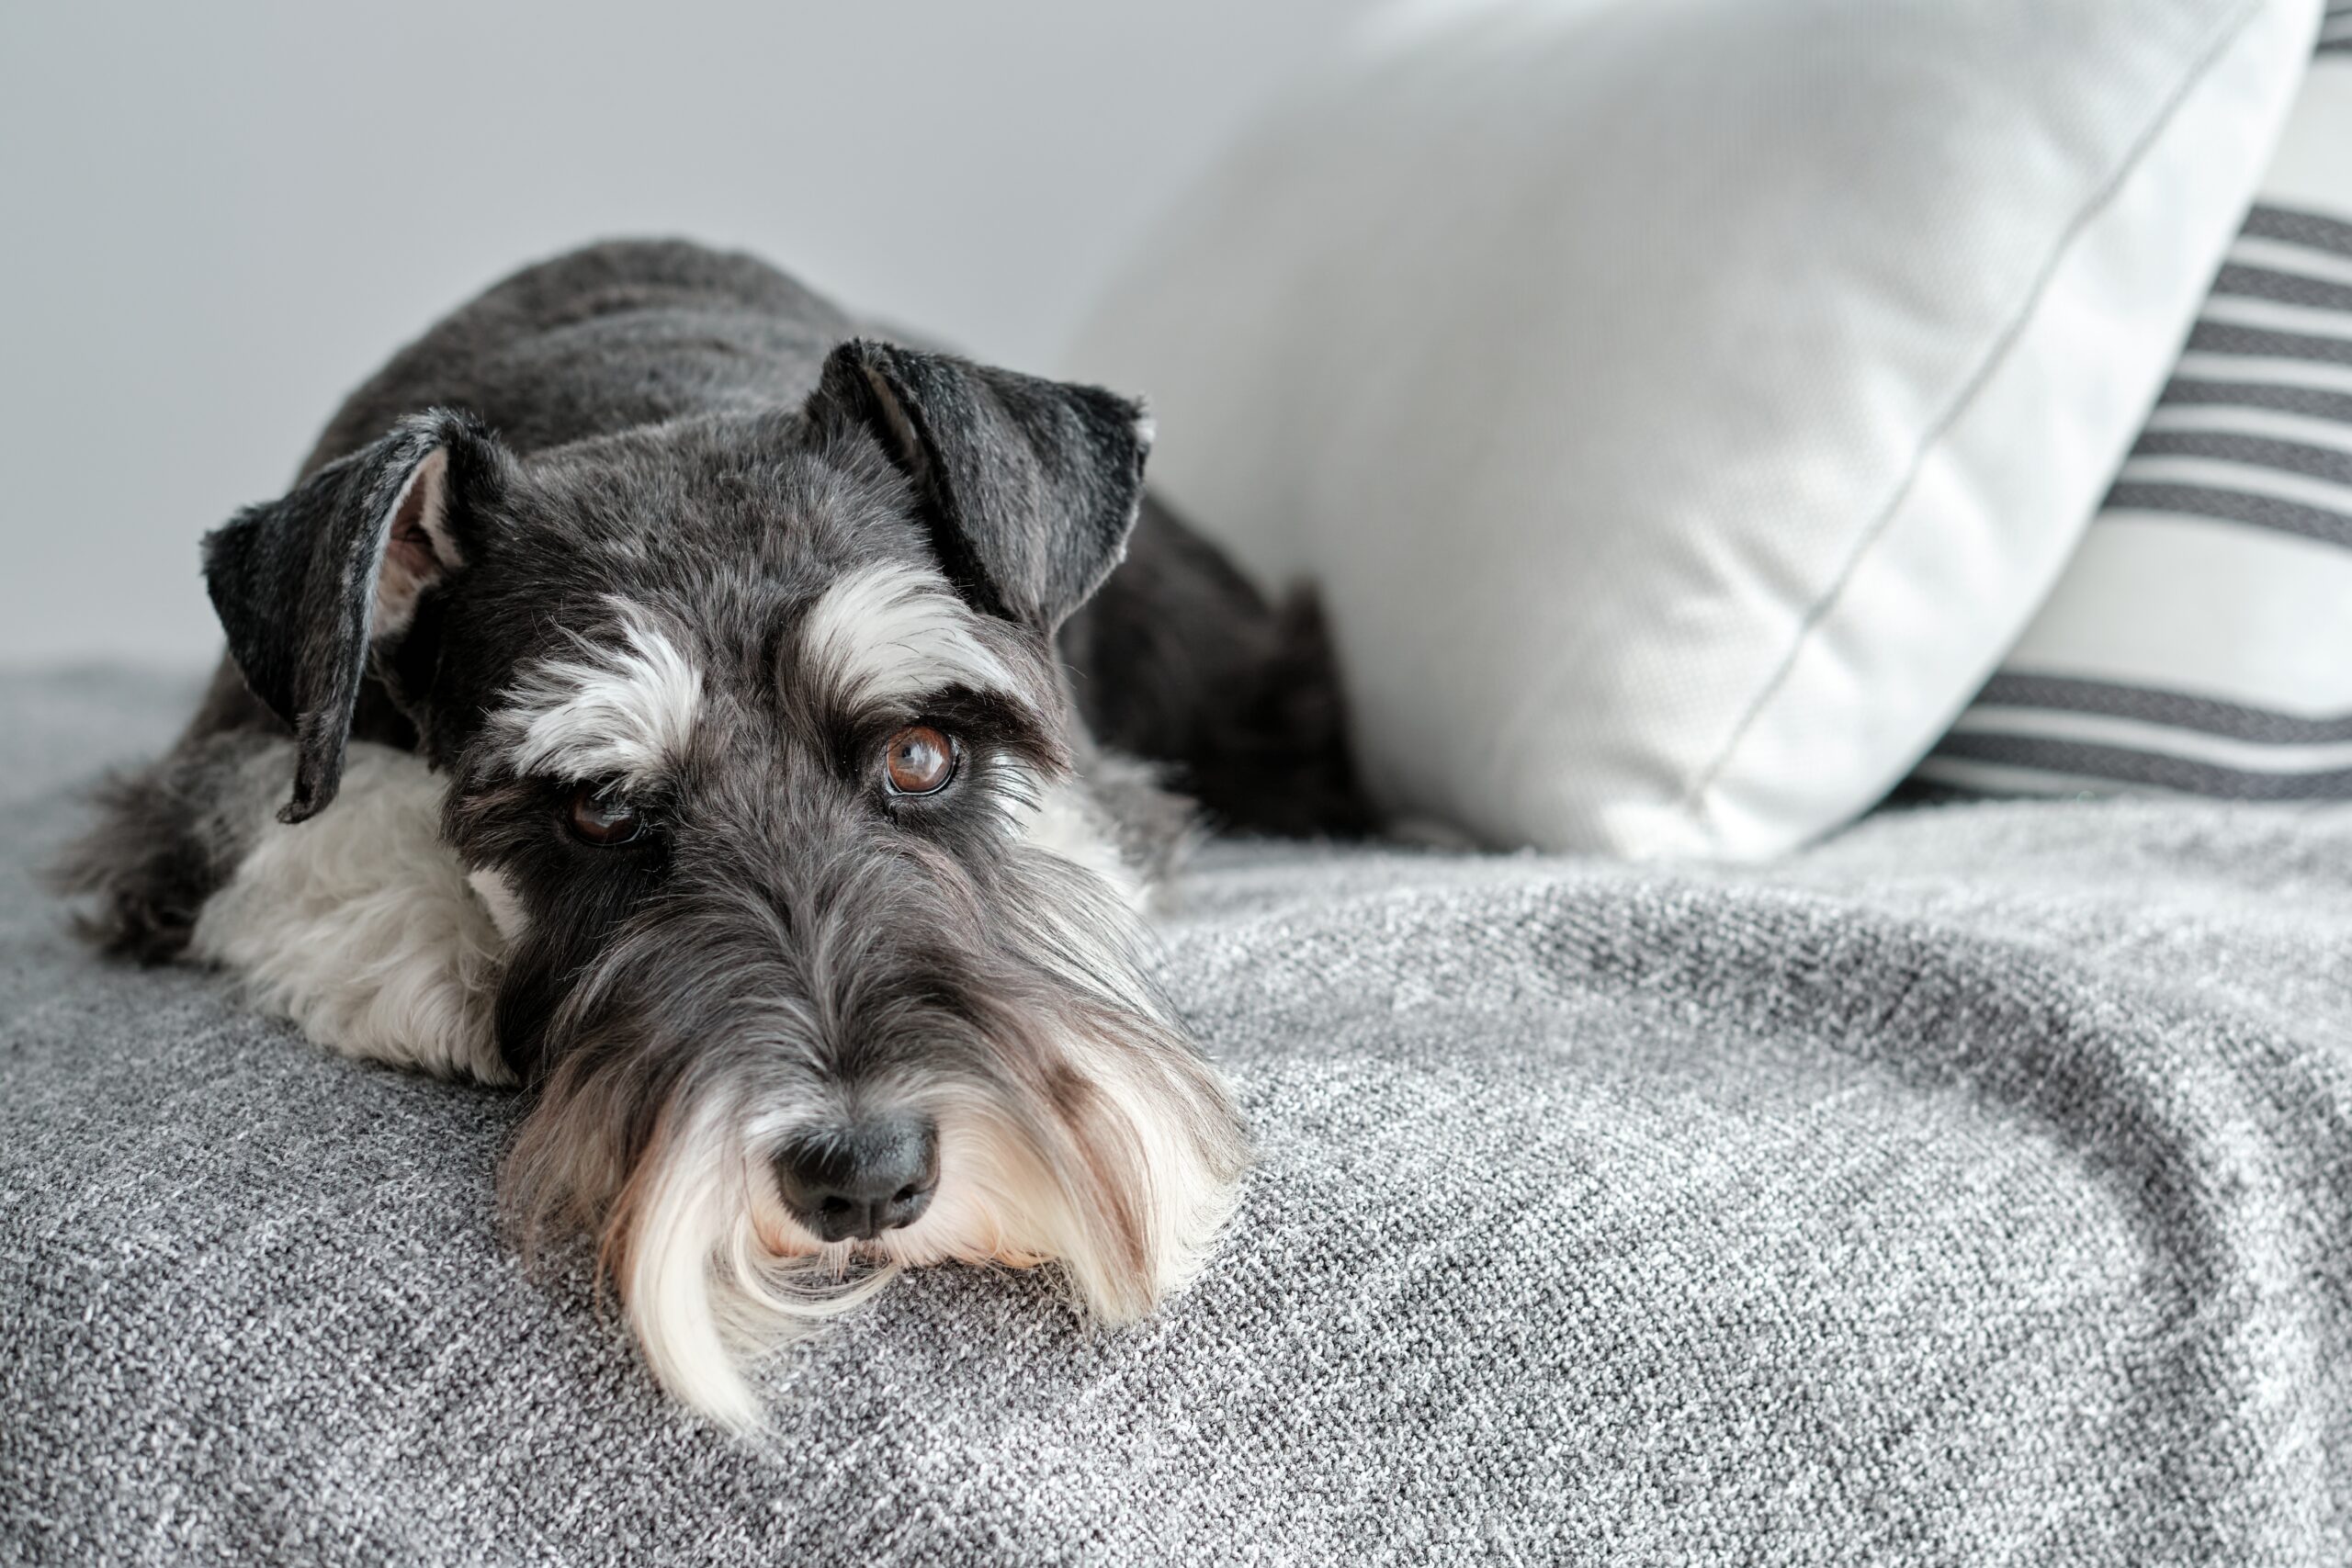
point(759, 754)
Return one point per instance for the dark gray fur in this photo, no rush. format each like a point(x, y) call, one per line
point(697, 435)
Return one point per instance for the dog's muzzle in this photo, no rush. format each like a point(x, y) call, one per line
point(861, 1179)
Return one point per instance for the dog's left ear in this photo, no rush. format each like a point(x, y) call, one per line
point(312, 585)
point(1029, 486)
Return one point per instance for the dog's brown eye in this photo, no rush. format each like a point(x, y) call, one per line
point(601, 817)
point(920, 762)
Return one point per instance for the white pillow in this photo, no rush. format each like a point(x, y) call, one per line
point(2201, 639)
point(1681, 405)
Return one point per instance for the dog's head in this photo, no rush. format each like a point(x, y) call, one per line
point(758, 751)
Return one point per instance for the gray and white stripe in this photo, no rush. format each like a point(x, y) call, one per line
point(2068, 731)
point(2335, 28)
point(2201, 642)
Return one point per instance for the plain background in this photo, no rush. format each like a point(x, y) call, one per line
point(220, 217)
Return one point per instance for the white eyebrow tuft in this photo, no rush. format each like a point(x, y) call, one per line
point(895, 630)
point(623, 711)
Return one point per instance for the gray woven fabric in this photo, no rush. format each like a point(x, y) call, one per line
point(1978, 1187)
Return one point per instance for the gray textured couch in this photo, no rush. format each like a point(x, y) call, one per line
point(1976, 1188)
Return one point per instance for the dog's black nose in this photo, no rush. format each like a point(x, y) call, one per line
point(860, 1179)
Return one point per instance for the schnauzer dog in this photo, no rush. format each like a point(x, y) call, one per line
point(750, 738)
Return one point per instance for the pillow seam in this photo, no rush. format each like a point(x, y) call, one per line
point(1693, 806)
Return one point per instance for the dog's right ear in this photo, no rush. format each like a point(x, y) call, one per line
point(310, 586)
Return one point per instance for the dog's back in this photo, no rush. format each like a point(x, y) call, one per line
point(603, 339)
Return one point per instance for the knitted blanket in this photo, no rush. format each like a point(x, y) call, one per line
point(1976, 1188)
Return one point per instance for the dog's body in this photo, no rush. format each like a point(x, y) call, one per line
point(672, 691)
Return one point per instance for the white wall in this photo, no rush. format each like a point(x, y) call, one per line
point(219, 217)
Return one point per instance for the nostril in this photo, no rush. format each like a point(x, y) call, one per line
point(861, 1178)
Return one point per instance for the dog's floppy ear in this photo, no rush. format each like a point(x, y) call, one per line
point(309, 586)
point(1029, 486)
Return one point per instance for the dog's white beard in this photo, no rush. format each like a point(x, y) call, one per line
point(715, 1271)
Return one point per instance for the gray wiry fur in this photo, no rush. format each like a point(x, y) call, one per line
point(649, 523)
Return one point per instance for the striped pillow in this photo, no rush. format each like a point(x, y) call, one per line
point(2200, 640)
